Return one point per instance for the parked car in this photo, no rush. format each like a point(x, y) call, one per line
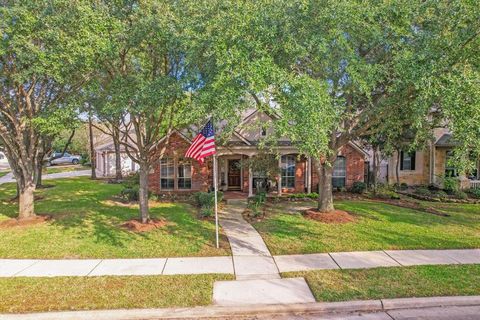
point(67, 158)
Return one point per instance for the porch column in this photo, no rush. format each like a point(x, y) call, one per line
point(250, 182)
point(280, 176)
point(309, 175)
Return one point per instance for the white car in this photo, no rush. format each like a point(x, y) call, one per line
point(67, 158)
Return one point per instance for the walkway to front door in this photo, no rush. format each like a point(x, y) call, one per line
point(257, 274)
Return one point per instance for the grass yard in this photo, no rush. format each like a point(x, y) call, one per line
point(87, 293)
point(86, 224)
point(67, 168)
point(4, 173)
point(378, 226)
point(419, 281)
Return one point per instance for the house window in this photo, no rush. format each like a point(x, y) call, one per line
point(167, 173)
point(184, 174)
point(407, 160)
point(339, 172)
point(288, 171)
point(264, 131)
point(450, 171)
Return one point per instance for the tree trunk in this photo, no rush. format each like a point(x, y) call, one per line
point(397, 169)
point(325, 188)
point(38, 174)
point(118, 157)
point(93, 160)
point(376, 167)
point(26, 200)
point(143, 193)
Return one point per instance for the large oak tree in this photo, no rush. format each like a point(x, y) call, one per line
point(47, 50)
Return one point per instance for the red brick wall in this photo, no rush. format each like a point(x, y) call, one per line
point(201, 174)
point(355, 167)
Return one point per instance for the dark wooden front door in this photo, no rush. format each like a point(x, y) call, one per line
point(234, 174)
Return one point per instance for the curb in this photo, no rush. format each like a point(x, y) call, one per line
point(222, 312)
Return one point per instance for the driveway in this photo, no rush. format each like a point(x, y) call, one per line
point(81, 173)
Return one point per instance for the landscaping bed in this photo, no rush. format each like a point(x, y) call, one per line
point(20, 295)
point(84, 222)
point(388, 283)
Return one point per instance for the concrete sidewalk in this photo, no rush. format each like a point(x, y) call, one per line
point(228, 265)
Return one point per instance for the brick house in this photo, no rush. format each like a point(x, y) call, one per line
point(174, 174)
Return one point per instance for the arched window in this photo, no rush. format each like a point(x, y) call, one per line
point(288, 171)
point(339, 172)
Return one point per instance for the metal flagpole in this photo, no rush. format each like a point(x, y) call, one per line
point(215, 190)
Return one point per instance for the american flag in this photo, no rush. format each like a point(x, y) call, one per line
point(203, 145)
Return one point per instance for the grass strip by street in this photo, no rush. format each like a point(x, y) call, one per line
point(376, 226)
point(19, 295)
point(387, 283)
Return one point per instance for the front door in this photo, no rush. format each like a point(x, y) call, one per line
point(234, 174)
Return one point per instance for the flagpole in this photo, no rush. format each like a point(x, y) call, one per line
point(215, 190)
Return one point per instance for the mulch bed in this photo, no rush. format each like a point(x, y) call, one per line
point(136, 225)
point(14, 222)
point(333, 217)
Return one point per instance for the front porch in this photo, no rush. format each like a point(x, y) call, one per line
point(240, 176)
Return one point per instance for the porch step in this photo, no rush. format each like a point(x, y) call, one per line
point(255, 292)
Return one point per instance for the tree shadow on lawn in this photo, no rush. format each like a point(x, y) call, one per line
point(392, 214)
point(377, 227)
point(85, 210)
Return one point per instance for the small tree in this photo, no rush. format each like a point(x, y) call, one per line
point(148, 80)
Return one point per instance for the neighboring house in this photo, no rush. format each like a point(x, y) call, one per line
point(105, 160)
point(429, 165)
point(174, 174)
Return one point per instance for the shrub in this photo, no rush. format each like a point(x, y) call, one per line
point(312, 195)
point(451, 185)
point(387, 194)
point(130, 193)
point(460, 195)
point(255, 202)
point(422, 191)
point(474, 193)
point(358, 187)
point(206, 202)
point(441, 194)
point(403, 186)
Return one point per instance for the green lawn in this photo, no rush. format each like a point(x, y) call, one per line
point(67, 168)
point(87, 293)
point(4, 173)
point(87, 223)
point(378, 226)
point(384, 283)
